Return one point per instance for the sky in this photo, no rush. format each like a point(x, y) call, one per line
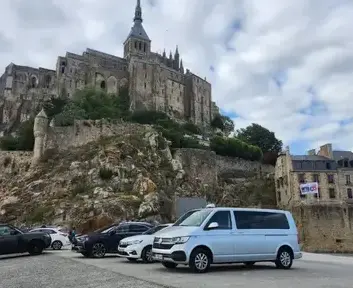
point(284, 64)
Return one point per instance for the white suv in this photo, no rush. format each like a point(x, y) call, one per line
point(229, 235)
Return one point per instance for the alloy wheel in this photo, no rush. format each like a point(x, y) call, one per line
point(285, 259)
point(98, 250)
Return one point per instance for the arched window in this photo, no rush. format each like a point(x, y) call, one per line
point(140, 46)
point(103, 85)
point(135, 44)
point(33, 82)
point(47, 81)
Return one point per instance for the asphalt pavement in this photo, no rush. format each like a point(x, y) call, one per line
point(69, 269)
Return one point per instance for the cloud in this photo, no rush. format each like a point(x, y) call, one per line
point(285, 64)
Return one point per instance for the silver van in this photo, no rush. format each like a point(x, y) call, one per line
point(228, 235)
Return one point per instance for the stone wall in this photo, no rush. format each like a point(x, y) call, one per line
point(325, 228)
point(14, 162)
point(85, 131)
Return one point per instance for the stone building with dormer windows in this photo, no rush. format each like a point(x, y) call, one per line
point(155, 81)
point(333, 170)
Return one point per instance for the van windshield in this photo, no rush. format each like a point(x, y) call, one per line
point(196, 218)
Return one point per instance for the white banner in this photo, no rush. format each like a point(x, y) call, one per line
point(309, 188)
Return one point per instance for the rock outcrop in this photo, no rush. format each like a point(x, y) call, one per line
point(132, 176)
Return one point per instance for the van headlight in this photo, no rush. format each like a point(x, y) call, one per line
point(180, 240)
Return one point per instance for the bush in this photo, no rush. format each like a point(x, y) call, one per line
point(235, 148)
point(191, 128)
point(187, 142)
point(150, 117)
point(24, 141)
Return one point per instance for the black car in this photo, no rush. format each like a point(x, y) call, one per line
point(13, 240)
point(106, 240)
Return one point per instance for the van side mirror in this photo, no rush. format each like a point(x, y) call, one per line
point(213, 225)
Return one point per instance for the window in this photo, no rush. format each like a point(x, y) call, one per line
point(348, 179)
point(6, 230)
point(260, 220)
point(135, 44)
point(140, 45)
point(103, 85)
point(122, 229)
point(349, 193)
point(154, 229)
point(194, 219)
point(47, 81)
point(316, 178)
point(330, 178)
point(138, 228)
point(223, 219)
point(279, 196)
point(332, 193)
point(328, 166)
point(33, 82)
point(301, 178)
point(345, 163)
point(145, 85)
point(318, 194)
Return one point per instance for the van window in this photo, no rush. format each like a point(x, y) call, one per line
point(260, 220)
point(196, 218)
point(223, 219)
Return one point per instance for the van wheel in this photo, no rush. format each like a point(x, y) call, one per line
point(249, 264)
point(200, 260)
point(169, 265)
point(284, 258)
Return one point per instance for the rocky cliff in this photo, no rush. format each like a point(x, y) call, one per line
point(129, 176)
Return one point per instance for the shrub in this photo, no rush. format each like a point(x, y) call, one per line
point(187, 142)
point(235, 148)
point(8, 143)
point(149, 117)
point(105, 173)
point(23, 141)
point(191, 128)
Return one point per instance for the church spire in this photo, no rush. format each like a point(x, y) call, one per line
point(138, 12)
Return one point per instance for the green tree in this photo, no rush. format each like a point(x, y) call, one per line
point(261, 137)
point(224, 123)
point(54, 106)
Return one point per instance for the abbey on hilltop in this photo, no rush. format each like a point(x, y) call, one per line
point(155, 81)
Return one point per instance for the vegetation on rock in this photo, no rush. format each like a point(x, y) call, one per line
point(224, 123)
point(263, 138)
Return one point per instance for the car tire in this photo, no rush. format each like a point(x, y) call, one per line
point(35, 247)
point(133, 260)
point(200, 260)
point(284, 258)
point(98, 250)
point(169, 265)
point(57, 245)
point(146, 255)
point(249, 264)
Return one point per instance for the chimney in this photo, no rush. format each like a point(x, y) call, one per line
point(312, 152)
point(326, 151)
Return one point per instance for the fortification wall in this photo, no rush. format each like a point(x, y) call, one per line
point(325, 228)
point(85, 131)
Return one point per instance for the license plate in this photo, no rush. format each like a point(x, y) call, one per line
point(158, 256)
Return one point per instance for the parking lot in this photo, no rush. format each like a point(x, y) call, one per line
point(68, 269)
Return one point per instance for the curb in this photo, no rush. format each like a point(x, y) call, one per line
point(324, 258)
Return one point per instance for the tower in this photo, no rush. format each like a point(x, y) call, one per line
point(137, 42)
point(176, 59)
point(39, 130)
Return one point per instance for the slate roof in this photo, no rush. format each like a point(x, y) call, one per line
point(137, 31)
point(338, 155)
point(309, 158)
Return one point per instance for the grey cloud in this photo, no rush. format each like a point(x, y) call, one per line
point(38, 14)
point(5, 44)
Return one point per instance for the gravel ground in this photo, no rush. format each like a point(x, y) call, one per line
point(61, 269)
point(50, 271)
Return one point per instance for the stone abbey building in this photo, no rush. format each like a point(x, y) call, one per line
point(155, 81)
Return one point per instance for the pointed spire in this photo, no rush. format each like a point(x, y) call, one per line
point(176, 50)
point(164, 54)
point(181, 66)
point(138, 12)
point(170, 55)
